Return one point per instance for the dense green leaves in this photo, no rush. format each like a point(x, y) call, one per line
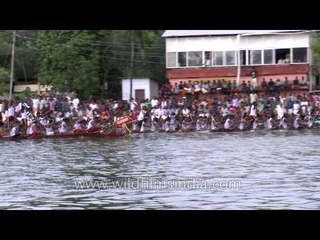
point(68, 61)
point(4, 80)
point(84, 60)
point(316, 48)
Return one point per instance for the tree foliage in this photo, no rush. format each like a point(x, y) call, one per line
point(68, 61)
point(316, 48)
point(148, 62)
point(4, 80)
point(84, 60)
point(26, 59)
point(25, 65)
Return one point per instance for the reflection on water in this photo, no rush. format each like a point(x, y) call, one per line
point(276, 169)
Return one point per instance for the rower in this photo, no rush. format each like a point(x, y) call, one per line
point(142, 127)
point(204, 123)
point(173, 124)
point(282, 123)
point(141, 117)
point(10, 113)
point(296, 122)
point(49, 129)
point(104, 116)
point(254, 124)
point(24, 115)
point(77, 127)
point(227, 125)
point(186, 123)
point(92, 125)
point(213, 124)
point(309, 121)
point(33, 129)
point(14, 132)
point(270, 123)
point(198, 123)
point(154, 124)
point(166, 125)
point(241, 124)
point(134, 127)
point(63, 127)
point(253, 109)
point(2, 131)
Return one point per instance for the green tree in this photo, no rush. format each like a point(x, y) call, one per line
point(85, 60)
point(25, 66)
point(316, 47)
point(4, 80)
point(26, 59)
point(69, 61)
point(149, 57)
point(148, 62)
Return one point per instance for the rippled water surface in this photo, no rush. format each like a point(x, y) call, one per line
point(249, 170)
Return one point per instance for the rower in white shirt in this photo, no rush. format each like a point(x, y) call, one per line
point(49, 129)
point(92, 125)
point(63, 127)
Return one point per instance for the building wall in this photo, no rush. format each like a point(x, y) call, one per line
point(33, 87)
point(18, 88)
point(231, 72)
point(274, 41)
point(229, 43)
point(142, 83)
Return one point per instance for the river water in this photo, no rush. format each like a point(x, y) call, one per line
point(196, 170)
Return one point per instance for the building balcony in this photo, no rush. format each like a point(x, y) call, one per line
point(231, 71)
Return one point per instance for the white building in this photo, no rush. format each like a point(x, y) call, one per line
point(195, 55)
point(19, 88)
point(142, 88)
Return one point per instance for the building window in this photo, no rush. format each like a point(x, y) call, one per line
point(217, 58)
point(255, 57)
point(182, 59)
point(195, 58)
point(207, 59)
point(268, 56)
point(172, 59)
point(283, 56)
point(230, 58)
point(299, 55)
point(243, 57)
